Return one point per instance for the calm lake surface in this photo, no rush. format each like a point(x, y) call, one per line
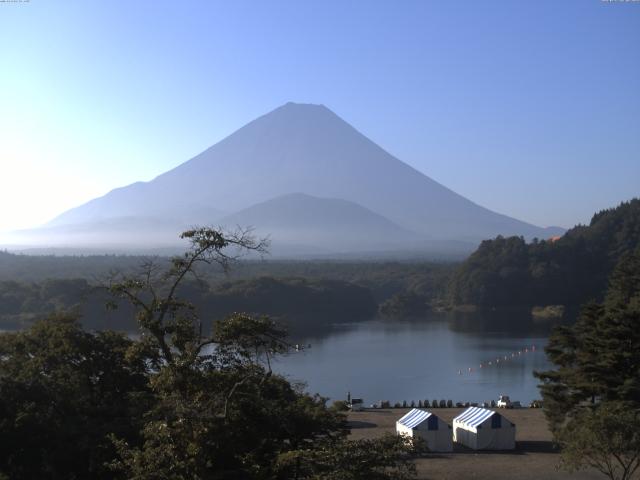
point(426, 359)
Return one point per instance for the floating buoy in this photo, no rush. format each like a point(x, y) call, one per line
point(503, 358)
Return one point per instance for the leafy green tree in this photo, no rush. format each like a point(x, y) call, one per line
point(220, 409)
point(182, 401)
point(389, 457)
point(340, 406)
point(62, 392)
point(606, 438)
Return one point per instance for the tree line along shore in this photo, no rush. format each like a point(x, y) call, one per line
point(548, 279)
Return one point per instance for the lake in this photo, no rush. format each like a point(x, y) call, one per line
point(426, 359)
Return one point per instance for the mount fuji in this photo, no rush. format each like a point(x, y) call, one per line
point(301, 174)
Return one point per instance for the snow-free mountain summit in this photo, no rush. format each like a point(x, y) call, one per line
point(309, 151)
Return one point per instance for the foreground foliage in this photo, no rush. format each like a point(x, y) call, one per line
point(606, 438)
point(62, 392)
point(338, 459)
point(182, 401)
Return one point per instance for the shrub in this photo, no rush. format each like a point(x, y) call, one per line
point(340, 406)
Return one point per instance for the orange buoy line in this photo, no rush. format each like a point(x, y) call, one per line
point(503, 358)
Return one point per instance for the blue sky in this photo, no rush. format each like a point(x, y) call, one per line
point(531, 109)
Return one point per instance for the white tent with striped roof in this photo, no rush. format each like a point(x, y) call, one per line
point(432, 429)
point(482, 429)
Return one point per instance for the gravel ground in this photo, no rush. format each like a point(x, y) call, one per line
point(534, 457)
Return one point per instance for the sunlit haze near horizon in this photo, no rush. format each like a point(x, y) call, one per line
point(529, 109)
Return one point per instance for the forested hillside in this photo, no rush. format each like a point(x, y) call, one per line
point(299, 303)
point(35, 268)
point(304, 293)
point(503, 272)
point(568, 271)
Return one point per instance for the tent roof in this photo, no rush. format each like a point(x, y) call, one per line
point(414, 418)
point(474, 416)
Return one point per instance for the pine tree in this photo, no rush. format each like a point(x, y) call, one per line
point(597, 380)
point(598, 358)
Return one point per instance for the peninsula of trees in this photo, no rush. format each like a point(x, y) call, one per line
point(570, 270)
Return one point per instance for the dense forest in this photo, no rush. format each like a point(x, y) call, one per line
point(304, 295)
point(298, 303)
point(503, 272)
point(382, 278)
point(570, 270)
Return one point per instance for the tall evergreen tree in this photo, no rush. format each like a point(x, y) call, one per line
point(598, 358)
point(592, 398)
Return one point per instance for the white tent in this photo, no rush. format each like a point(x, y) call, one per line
point(482, 429)
point(426, 425)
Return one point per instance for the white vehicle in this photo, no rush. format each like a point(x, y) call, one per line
point(356, 405)
point(504, 401)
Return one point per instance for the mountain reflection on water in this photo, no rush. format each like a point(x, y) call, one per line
point(425, 358)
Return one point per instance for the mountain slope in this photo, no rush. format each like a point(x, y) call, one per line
point(326, 223)
point(309, 149)
point(102, 234)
